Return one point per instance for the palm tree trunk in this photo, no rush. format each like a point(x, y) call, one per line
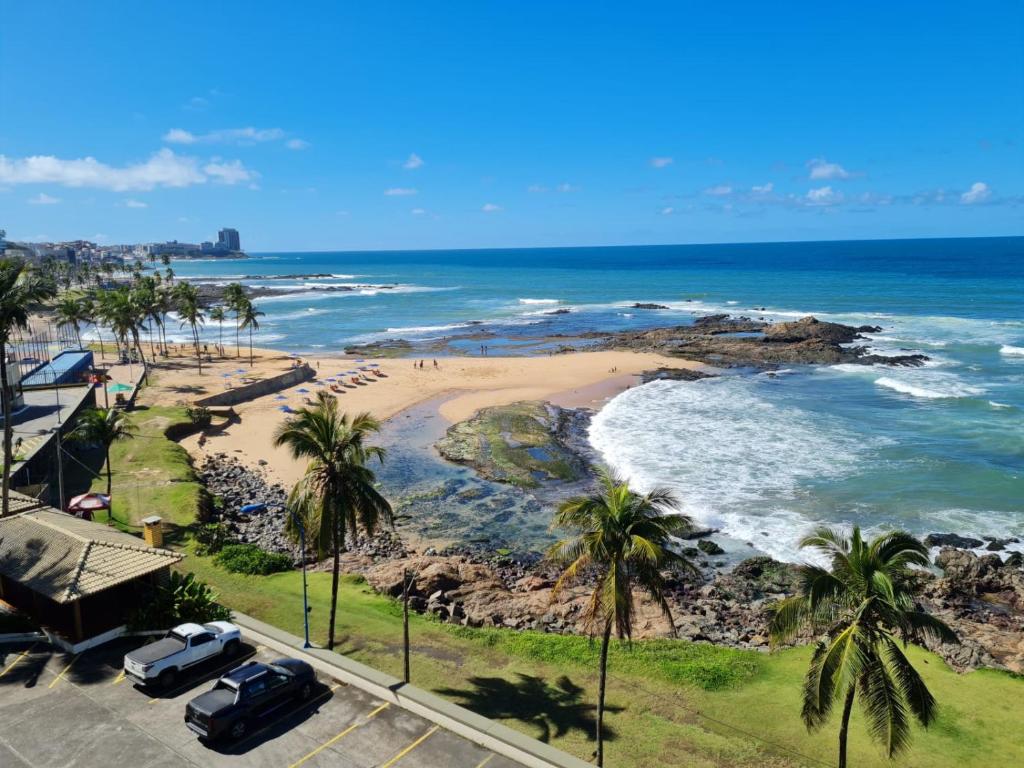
point(336, 546)
point(605, 639)
point(250, 346)
point(199, 357)
point(238, 350)
point(221, 324)
point(8, 429)
point(99, 336)
point(845, 726)
point(109, 476)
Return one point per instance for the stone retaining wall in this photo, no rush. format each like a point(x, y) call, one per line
point(259, 388)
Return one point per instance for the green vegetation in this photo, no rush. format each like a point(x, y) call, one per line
point(183, 598)
point(103, 427)
point(151, 474)
point(621, 540)
point(514, 444)
point(337, 493)
point(865, 607)
point(670, 703)
point(250, 559)
point(749, 702)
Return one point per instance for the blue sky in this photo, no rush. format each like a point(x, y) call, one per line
point(476, 124)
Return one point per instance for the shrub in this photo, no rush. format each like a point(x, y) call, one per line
point(182, 598)
point(199, 415)
point(250, 559)
point(211, 538)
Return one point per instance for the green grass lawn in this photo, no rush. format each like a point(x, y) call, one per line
point(152, 475)
point(671, 703)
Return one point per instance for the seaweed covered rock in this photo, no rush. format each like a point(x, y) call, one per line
point(524, 444)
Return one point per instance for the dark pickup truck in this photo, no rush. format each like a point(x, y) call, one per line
point(246, 694)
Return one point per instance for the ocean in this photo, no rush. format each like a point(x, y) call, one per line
point(762, 458)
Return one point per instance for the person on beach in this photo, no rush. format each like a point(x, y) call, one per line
point(436, 365)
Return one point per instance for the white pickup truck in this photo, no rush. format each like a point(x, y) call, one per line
point(184, 646)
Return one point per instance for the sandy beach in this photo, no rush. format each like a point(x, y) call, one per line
point(571, 380)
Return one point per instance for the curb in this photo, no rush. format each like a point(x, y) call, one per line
point(480, 730)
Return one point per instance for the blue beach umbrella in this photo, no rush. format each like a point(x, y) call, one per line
point(320, 384)
point(360, 361)
point(285, 408)
point(302, 390)
point(280, 397)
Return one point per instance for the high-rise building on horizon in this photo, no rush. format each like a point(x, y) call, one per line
point(228, 239)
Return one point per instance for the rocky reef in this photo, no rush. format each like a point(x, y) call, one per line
point(524, 444)
point(728, 342)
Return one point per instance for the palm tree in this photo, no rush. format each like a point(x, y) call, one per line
point(94, 314)
point(124, 316)
point(234, 298)
point(619, 542)
point(71, 312)
point(188, 308)
point(20, 286)
point(218, 315)
point(863, 605)
point(337, 492)
point(99, 426)
point(249, 313)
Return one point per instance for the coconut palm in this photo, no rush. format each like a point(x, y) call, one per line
point(94, 314)
point(249, 315)
point(124, 315)
point(218, 315)
point(72, 312)
point(188, 308)
point(20, 286)
point(864, 606)
point(234, 299)
point(619, 541)
point(99, 426)
point(337, 493)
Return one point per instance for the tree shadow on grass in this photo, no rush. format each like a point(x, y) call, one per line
point(555, 710)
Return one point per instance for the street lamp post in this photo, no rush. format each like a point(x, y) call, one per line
point(305, 596)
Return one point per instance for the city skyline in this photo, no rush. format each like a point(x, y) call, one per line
point(483, 127)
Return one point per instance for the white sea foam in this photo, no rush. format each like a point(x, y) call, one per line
point(736, 460)
point(1011, 351)
point(929, 385)
point(538, 301)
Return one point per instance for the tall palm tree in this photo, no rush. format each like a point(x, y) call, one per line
point(249, 315)
point(72, 312)
point(234, 299)
point(94, 314)
point(218, 315)
point(99, 426)
point(619, 541)
point(124, 316)
point(188, 308)
point(864, 605)
point(20, 286)
point(337, 493)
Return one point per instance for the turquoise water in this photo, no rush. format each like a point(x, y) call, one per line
point(761, 457)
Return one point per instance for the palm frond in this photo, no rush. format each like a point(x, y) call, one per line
point(884, 708)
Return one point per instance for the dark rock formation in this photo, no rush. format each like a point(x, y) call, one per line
point(951, 540)
point(641, 305)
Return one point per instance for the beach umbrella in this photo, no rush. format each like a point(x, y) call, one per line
point(285, 408)
point(280, 397)
point(331, 378)
point(360, 361)
point(302, 390)
point(226, 375)
point(374, 365)
point(239, 370)
point(119, 388)
point(319, 383)
point(89, 501)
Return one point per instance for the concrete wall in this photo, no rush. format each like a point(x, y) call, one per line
point(260, 388)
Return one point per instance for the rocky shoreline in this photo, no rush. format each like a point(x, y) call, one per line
point(981, 597)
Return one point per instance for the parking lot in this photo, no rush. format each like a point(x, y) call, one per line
point(62, 710)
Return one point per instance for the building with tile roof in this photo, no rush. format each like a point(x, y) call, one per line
point(74, 576)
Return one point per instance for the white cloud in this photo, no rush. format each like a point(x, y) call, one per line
point(244, 136)
point(823, 196)
point(231, 172)
point(822, 170)
point(661, 162)
point(567, 187)
point(417, 211)
point(414, 162)
point(719, 190)
point(667, 211)
point(763, 189)
point(132, 203)
point(297, 144)
point(978, 193)
point(43, 199)
point(536, 188)
point(162, 169)
point(196, 103)
point(399, 191)
point(490, 208)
